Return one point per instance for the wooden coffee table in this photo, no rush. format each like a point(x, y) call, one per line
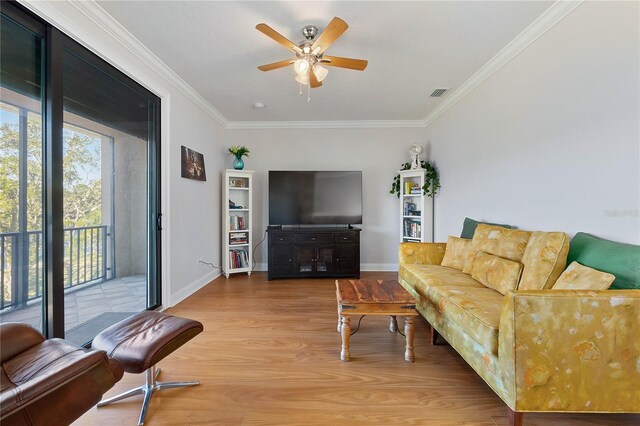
point(375, 297)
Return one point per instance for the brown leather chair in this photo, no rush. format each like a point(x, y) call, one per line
point(49, 382)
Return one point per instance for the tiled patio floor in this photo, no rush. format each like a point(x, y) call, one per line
point(126, 294)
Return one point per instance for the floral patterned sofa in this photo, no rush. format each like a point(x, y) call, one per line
point(539, 348)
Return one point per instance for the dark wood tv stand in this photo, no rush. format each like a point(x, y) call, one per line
point(314, 252)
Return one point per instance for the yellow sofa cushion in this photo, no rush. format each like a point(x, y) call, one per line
point(544, 260)
point(421, 253)
point(507, 243)
point(495, 272)
point(580, 277)
point(475, 310)
point(422, 276)
point(456, 253)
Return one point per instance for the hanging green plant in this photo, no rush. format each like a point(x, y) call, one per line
point(431, 180)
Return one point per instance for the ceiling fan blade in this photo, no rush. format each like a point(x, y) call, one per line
point(275, 65)
point(334, 30)
point(271, 33)
point(313, 80)
point(350, 63)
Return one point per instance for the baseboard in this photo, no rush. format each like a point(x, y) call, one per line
point(191, 288)
point(381, 267)
point(261, 267)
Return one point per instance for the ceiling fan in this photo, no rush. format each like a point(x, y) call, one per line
point(309, 54)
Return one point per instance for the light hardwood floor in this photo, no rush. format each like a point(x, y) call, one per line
point(269, 354)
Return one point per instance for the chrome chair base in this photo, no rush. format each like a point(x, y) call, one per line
point(151, 385)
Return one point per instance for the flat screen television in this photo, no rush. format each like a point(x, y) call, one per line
point(315, 198)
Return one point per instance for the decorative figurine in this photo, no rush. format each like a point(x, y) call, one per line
point(415, 151)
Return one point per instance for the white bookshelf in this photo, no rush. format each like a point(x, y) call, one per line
point(416, 209)
point(237, 187)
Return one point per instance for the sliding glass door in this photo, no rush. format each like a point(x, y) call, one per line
point(21, 182)
point(108, 131)
point(79, 248)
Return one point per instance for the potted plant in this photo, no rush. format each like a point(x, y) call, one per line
point(431, 180)
point(238, 152)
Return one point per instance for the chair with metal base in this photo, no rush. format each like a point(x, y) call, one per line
point(139, 343)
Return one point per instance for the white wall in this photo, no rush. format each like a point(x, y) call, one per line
point(551, 141)
point(194, 211)
point(191, 209)
point(377, 152)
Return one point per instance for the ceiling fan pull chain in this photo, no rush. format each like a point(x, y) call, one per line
point(300, 91)
point(309, 92)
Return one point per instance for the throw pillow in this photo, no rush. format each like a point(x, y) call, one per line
point(580, 277)
point(503, 242)
point(544, 260)
point(469, 227)
point(619, 259)
point(495, 272)
point(456, 253)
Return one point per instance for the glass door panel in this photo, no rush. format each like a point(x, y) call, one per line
point(324, 261)
point(304, 258)
point(108, 141)
point(21, 168)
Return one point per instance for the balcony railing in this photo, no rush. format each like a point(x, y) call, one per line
point(21, 262)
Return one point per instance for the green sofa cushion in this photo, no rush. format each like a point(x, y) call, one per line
point(470, 225)
point(619, 259)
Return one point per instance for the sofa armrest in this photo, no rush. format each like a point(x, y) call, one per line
point(421, 253)
point(571, 350)
point(16, 338)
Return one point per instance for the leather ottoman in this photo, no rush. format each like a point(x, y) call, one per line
point(139, 343)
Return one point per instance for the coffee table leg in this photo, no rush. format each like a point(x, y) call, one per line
point(339, 319)
point(409, 331)
point(393, 324)
point(346, 333)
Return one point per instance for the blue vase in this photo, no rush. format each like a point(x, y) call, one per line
point(238, 164)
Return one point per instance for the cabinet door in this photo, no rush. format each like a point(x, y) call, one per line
point(324, 260)
point(304, 259)
point(282, 260)
point(347, 259)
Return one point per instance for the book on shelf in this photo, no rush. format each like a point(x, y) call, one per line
point(238, 258)
point(412, 228)
point(412, 188)
point(238, 238)
point(236, 223)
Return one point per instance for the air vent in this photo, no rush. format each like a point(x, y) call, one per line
point(438, 93)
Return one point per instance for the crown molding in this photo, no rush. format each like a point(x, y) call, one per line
point(109, 24)
point(342, 124)
point(554, 14)
point(98, 16)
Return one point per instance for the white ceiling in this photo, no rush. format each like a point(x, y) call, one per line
point(412, 49)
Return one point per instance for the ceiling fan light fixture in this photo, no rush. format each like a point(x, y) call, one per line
point(303, 79)
point(310, 53)
point(301, 66)
point(320, 72)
